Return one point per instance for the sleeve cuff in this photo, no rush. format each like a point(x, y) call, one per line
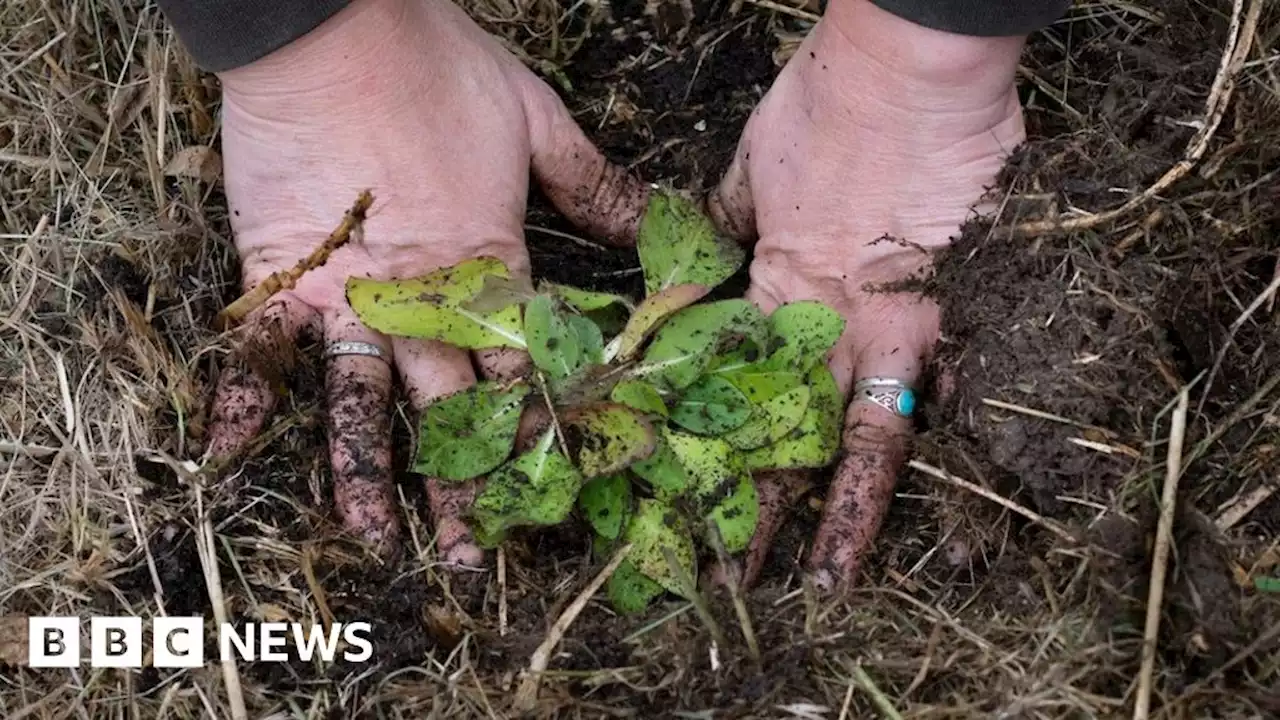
point(226, 34)
point(982, 18)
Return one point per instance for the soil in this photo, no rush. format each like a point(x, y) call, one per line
point(1099, 328)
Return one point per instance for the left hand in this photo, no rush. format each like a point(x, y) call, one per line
point(869, 152)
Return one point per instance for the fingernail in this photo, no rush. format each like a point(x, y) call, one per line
point(823, 580)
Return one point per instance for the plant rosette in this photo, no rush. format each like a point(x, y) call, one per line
point(661, 410)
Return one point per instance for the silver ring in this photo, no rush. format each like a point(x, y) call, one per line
point(353, 347)
point(891, 394)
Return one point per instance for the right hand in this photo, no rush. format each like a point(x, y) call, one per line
point(413, 101)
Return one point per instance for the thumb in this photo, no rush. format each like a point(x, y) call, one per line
point(596, 195)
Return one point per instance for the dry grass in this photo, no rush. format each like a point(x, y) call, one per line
point(111, 272)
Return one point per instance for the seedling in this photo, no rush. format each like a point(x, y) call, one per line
point(660, 411)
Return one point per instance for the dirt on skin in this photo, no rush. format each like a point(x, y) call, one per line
point(963, 609)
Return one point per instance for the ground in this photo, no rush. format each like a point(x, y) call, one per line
point(1066, 345)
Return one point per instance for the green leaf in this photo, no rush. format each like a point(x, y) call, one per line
point(553, 345)
point(803, 334)
point(816, 440)
point(639, 395)
point(469, 433)
point(711, 406)
point(707, 461)
point(1265, 583)
point(663, 470)
point(606, 438)
point(737, 513)
point(629, 590)
point(759, 383)
point(589, 337)
point(431, 306)
point(585, 300)
point(606, 502)
point(654, 526)
point(652, 311)
point(686, 344)
point(538, 488)
point(499, 293)
point(679, 245)
point(772, 420)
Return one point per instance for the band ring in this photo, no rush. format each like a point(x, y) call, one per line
point(891, 394)
point(353, 347)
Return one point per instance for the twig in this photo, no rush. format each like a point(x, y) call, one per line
point(1239, 322)
point(1025, 512)
point(690, 590)
point(1032, 412)
point(1239, 42)
point(786, 10)
point(881, 701)
point(551, 411)
point(1236, 416)
point(527, 693)
point(735, 593)
point(208, 553)
point(502, 592)
point(317, 592)
point(1233, 511)
point(1160, 564)
point(287, 279)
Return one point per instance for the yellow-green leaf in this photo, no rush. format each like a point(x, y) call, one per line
point(606, 503)
point(816, 440)
point(803, 333)
point(606, 438)
point(652, 311)
point(554, 346)
point(639, 395)
point(469, 433)
point(538, 488)
point(686, 344)
point(655, 526)
point(679, 245)
point(629, 590)
point(432, 306)
point(771, 420)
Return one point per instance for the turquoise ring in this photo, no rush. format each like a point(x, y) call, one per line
point(889, 393)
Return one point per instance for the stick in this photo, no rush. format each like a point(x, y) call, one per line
point(232, 314)
point(1160, 565)
point(1025, 512)
point(527, 694)
point(735, 594)
point(1233, 511)
point(1239, 322)
point(869, 686)
point(1239, 42)
point(208, 552)
point(502, 592)
point(690, 590)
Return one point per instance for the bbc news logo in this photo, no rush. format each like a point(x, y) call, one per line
point(179, 642)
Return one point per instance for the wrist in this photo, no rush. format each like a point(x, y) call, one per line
point(343, 53)
point(925, 64)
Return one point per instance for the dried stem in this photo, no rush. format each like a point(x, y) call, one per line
point(735, 593)
point(1160, 565)
point(237, 311)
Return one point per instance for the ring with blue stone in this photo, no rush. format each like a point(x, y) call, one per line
point(891, 394)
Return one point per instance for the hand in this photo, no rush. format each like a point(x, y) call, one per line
point(413, 101)
point(868, 152)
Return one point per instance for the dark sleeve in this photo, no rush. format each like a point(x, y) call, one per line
point(985, 18)
point(225, 34)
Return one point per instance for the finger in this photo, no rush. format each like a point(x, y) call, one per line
point(593, 193)
point(431, 370)
point(359, 392)
point(777, 491)
point(730, 204)
point(502, 364)
point(245, 398)
point(875, 443)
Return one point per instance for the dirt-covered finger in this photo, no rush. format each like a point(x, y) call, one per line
point(776, 491)
point(730, 204)
point(245, 396)
point(502, 364)
point(431, 370)
point(358, 388)
point(598, 196)
point(875, 444)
